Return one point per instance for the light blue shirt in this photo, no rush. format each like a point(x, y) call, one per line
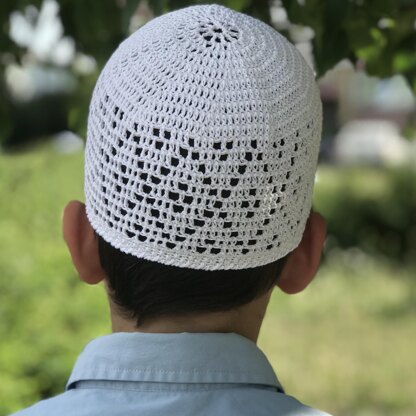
point(141, 374)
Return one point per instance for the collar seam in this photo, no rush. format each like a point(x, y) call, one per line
point(159, 370)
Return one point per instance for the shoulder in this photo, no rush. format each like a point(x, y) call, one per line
point(295, 408)
point(269, 403)
point(44, 408)
point(231, 402)
point(62, 405)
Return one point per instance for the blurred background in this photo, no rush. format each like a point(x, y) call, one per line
point(347, 344)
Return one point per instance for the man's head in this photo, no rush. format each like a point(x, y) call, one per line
point(203, 139)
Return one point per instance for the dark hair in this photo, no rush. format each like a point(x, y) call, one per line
point(146, 289)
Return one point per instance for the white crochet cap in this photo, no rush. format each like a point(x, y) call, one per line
point(203, 140)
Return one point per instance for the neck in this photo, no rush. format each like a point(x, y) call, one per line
point(245, 321)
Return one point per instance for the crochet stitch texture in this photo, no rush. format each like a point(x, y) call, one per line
point(203, 140)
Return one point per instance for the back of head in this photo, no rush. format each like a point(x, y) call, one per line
point(203, 140)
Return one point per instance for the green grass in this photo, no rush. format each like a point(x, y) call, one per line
point(47, 314)
point(345, 345)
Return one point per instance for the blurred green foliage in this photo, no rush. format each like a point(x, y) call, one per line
point(370, 208)
point(345, 345)
point(379, 32)
point(46, 315)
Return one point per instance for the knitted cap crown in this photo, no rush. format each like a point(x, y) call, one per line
point(203, 139)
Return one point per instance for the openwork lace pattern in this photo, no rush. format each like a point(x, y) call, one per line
point(203, 139)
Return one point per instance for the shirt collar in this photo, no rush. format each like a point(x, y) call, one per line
point(177, 358)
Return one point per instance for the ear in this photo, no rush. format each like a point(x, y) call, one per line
point(303, 262)
point(82, 243)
